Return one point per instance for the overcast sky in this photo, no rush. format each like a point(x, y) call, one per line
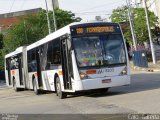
point(86, 9)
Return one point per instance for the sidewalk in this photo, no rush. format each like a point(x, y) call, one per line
point(151, 67)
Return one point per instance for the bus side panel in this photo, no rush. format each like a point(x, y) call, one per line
point(29, 81)
point(7, 72)
point(48, 79)
point(6, 77)
point(78, 86)
point(15, 76)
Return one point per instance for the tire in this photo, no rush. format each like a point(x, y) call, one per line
point(104, 90)
point(14, 85)
point(59, 92)
point(101, 91)
point(35, 89)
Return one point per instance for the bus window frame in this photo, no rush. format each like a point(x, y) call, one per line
point(98, 66)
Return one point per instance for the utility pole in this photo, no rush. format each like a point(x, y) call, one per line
point(49, 25)
point(54, 17)
point(24, 23)
point(131, 25)
point(136, 4)
point(149, 32)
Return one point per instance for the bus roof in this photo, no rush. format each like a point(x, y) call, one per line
point(17, 51)
point(54, 35)
point(60, 32)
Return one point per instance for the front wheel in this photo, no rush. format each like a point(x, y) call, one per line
point(101, 91)
point(59, 92)
point(104, 90)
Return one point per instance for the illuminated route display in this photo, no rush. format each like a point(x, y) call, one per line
point(95, 29)
point(80, 30)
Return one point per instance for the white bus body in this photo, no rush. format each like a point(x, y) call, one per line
point(14, 68)
point(80, 56)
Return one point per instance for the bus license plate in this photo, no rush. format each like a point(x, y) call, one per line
point(106, 81)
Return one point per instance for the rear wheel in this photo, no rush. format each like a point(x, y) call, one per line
point(59, 92)
point(36, 91)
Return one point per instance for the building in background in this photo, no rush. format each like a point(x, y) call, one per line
point(9, 19)
point(157, 4)
point(153, 5)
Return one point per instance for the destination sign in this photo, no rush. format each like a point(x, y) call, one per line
point(97, 29)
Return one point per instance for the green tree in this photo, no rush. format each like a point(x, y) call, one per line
point(1, 53)
point(119, 15)
point(1, 40)
point(65, 18)
point(32, 28)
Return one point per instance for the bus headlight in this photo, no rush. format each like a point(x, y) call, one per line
point(83, 76)
point(124, 71)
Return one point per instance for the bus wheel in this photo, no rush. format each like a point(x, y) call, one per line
point(104, 90)
point(36, 91)
point(14, 85)
point(59, 92)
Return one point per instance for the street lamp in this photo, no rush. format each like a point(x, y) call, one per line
point(54, 17)
point(131, 25)
point(49, 25)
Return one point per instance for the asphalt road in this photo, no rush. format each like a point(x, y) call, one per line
point(142, 96)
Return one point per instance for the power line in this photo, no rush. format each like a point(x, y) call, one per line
point(21, 8)
point(11, 6)
point(92, 12)
point(104, 5)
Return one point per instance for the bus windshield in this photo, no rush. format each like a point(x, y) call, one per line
point(99, 50)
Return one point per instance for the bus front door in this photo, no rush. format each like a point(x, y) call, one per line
point(66, 63)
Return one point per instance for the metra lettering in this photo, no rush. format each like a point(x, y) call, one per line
point(101, 71)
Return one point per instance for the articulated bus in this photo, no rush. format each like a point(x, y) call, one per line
point(14, 68)
point(78, 57)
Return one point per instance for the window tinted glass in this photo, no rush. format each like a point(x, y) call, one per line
point(31, 57)
point(53, 55)
point(99, 50)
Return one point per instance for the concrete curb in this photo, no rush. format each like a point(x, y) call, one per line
point(149, 69)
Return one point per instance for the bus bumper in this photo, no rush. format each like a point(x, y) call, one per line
point(98, 83)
